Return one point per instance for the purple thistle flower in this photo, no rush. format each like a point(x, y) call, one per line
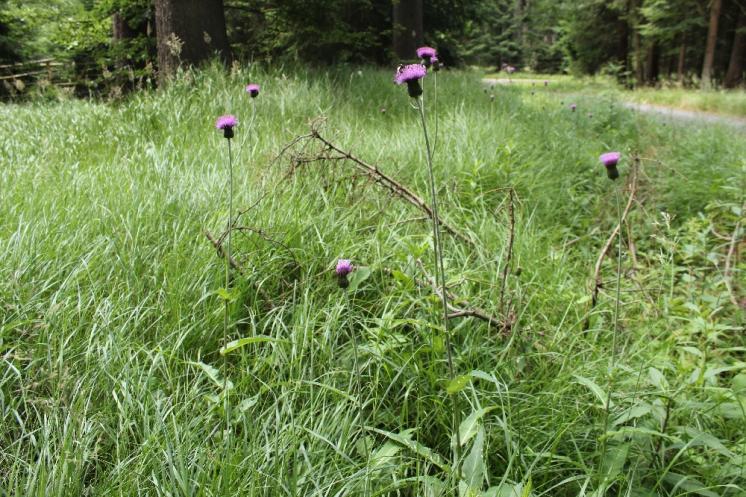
point(411, 74)
point(435, 62)
point(546, 83)
point(252, 89)
point(226, 123)
point(344, 267)
point(426, 52)
point(573, 107)
point(610, 161)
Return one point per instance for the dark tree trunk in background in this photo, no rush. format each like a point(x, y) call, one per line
point(682, 59)
point(637, 43)
point(407, 28)
point(120, 28)
point(189, 32)
point(652, 64)
point(737, 54)
point(712, 38)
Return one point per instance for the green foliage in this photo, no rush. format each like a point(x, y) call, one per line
point(111, 325)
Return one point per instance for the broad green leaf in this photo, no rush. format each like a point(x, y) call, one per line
point(468, 427)
point(242, 342)
point(597, 391)
point(689, 484)
point(613, 461)
point(473, 466)
point(634, 412)
point(457, 384)
point(213, 374)
point(357, 277)
point(739, 383)
point(404, 439)
point(657, 379)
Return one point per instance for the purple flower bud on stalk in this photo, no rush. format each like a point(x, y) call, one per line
point(252, 89)
point(427, 54)
point(610, 161)
point(546, 83)
point(226, 123)
point(344, 267)
point(411, 74)
point(573, 107)
point(435, 63)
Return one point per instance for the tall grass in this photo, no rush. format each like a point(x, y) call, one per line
point(111, 323)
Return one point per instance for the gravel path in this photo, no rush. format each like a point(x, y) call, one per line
point(669, 113)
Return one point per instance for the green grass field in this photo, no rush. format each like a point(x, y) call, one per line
point(112, 382)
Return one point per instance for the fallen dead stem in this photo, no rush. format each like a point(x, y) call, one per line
point(375, 174)
point(457, 306)
point(728, 271)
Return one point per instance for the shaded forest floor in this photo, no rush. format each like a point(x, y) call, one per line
point(112, 381)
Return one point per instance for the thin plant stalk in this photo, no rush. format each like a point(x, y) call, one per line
point(359, 390)
point(615, 327)
point(440, 281)
point(226, 313)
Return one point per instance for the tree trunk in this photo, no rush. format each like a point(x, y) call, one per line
point(189, 32)
point(637, 44)
point(407, 28)
point(652, 64)
point(738, 52)
point(682, 59)
point(712, 38)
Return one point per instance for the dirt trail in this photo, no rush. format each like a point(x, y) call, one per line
point(660, 111)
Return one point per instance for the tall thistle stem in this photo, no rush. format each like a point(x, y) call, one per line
point(358, 388)
point(440, 281)
point(615, 328)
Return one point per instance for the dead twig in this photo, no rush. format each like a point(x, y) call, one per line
point(457, 306)
point(382, 179)
point(506, 266)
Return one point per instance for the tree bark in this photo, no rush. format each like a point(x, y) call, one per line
point(652, 64)
point(407, 28)
point(189, 32)
point(637, 44)
point(737, 54)
point(712, 38)
point(682, 59)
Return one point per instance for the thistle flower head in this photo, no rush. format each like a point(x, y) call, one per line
point(226, 123)
point(252, 89)
point(344, 267)
point(610, 161)
point(426, 52)
point(435, 62)
point(573, 107)
point(411, 74)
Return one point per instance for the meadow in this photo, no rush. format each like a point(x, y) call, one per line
point(112, 380)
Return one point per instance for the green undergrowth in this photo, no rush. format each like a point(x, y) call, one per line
point(112, 381)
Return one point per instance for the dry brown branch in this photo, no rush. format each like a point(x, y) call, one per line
point(506, 267)
point(457, 306)
point(384, 180)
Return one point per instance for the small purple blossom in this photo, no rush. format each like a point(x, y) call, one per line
point(411, 74)
point(226, 123)
point(435, 62)
point(252, 89)
point(344, 267)
point(610, 161)
point(573, 107)
point(426, 52)
point(546, 83)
